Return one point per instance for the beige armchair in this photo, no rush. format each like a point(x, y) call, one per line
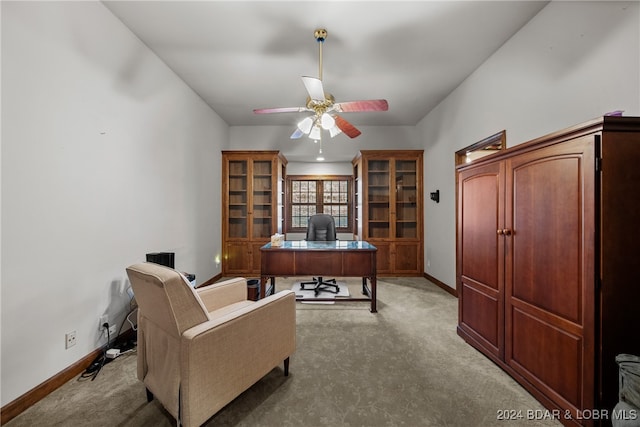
point(198, 349)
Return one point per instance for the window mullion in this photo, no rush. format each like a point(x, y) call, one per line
point(320, 196)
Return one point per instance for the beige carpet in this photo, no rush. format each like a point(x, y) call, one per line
point(404, 366)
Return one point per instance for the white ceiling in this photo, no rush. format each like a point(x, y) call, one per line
point(241, 55)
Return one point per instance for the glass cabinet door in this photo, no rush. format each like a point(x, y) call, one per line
point(262, 198)
point(238, 207)
point(406, 220)
point(378, 198)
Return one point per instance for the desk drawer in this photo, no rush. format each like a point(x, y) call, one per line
point(358, 265)
point(276, 263)
point(318, 263)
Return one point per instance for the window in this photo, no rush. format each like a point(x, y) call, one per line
point(308, 195)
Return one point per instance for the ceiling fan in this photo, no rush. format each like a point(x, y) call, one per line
point(323, 106)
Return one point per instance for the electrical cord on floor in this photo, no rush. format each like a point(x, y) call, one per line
point(94, 368)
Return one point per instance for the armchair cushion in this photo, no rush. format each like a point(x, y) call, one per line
point(222, 294)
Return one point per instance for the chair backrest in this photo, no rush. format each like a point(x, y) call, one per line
point(321, 227)
point(165, 298)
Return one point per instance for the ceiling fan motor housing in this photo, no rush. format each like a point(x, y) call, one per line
point(320, 34)
point(321, 107)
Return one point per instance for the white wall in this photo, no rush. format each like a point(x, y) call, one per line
point(334, 149)
point(319, 168)
point(572, 62)
point(106, 155)
point(301, 153)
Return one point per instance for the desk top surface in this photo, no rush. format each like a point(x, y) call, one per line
point(323, 246)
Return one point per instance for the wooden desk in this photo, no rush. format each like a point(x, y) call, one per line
point(338, 259)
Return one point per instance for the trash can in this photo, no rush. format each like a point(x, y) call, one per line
point(253, 289)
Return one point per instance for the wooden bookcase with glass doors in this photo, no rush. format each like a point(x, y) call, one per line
point(252, 201)
point(389, 208)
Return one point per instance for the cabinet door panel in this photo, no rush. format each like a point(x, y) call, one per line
point(547, 227)
point(235, 199)
point(378, 198)
point(480, 316)
point(262, 208)
point(406, 207)
point(236, 257)
point(383, 258)
point(548, 357)
point(406, 258)
point(550, 270)
point(255, 258)
point(481, 256)
point(480, 220)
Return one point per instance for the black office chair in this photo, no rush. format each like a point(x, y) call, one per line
point(321, 227)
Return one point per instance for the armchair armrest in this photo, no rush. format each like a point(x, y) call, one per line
point(223, 293)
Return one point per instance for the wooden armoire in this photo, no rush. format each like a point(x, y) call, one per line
point(389, 210)
point(548, 275)
point(252, 207)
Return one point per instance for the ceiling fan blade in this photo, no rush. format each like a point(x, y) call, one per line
point(346, 127)
point(368, 105)
point(297, 134)
point(280, 110)
point(314, 88)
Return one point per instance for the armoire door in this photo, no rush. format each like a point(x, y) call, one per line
point(549, 270)
point(480, 258)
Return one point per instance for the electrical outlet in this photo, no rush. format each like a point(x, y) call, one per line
point(70, 339)
point(112, 331)
point(103, 319)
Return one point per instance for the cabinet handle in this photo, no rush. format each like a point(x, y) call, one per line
point(506, 232)
point(500, 232)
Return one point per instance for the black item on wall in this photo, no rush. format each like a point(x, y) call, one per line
point(435, 196)
point(163, 258)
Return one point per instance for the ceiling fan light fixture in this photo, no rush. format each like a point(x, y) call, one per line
point(327, 121)
point(335, 130)
point(320, 157)
point(305, 124)
point(315, 133)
